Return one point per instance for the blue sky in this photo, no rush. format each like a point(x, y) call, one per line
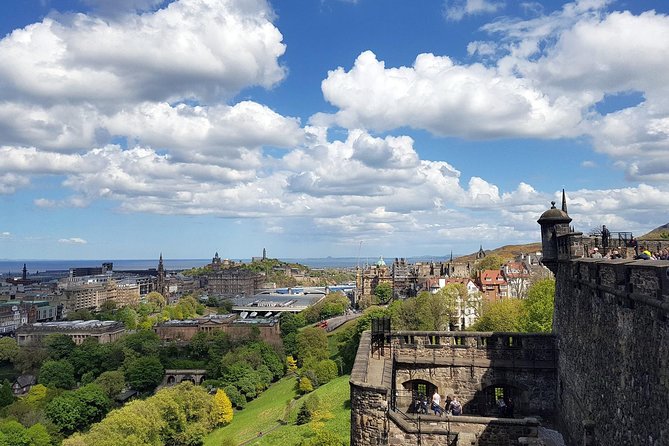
point(329, 127)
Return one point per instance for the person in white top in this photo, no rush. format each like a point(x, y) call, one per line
point(436, 403)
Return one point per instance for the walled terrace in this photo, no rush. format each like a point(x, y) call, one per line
point(476, 367)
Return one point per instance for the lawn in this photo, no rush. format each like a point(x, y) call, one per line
point(265, 413)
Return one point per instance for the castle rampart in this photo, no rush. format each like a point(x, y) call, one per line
point(613, 338)
point(466, 364)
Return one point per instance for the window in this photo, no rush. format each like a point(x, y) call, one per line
point(512, 341)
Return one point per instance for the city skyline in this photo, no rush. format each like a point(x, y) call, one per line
point(344, 128)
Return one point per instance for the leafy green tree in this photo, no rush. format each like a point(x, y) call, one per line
point(538, 307)
point(492, 261)
point(6, 394)
point(58, 374)
point(29, 359)
point(9, 349)
point(383, 292)
point(326, 370)
point(156, 299)
point(14, 433)
point(74, 411)
point(38, 435)
point(128, 316)
point(90, 356)
point(291, 323)
point(502, 315)
point(111, 382)
point(312, 343)
point(236, 398)
point(144, 373)
point(143, 342)
point(59, 346)
point(305, 385)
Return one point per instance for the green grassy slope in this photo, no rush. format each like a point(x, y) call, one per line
point(264, 414)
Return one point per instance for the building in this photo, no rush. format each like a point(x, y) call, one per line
point(237, 328)
point(91, 292)
point(492, 284)
point(233, 281)
point(103, 331)
point(14, 314)
point(470, 308)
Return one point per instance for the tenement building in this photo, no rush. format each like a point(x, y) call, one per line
point(601, 377)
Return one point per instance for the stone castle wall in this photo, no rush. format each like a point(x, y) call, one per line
point(612, 327)
point(466, 363)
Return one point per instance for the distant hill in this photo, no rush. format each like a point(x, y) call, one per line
point(661, 232)
point(507, 252)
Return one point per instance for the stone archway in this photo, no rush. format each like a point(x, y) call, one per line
point(171, 380)
point(412, 390)
point(485, 401)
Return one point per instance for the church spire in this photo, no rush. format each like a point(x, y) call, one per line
point(564, 202)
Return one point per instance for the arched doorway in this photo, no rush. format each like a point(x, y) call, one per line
point(487, 401)
point(170, 380)
point(413, 391)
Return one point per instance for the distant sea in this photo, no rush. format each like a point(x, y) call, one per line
point(15, 266)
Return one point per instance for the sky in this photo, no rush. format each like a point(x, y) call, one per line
point(317, 128)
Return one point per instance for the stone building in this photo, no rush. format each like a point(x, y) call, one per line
point(268, 330)
point(91, 294)
point(233, 282)
point(103, 331)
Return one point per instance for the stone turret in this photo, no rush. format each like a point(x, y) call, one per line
point(554, 222)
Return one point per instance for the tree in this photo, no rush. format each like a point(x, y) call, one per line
point(9, 349)
point(236, 398)
point(128, 316)
point(59, 346)
point(111, 382)
point(6, 394)
point(326, 371)
point(73, 411)
point(38, 435)
point(222, 412)
point(312, 343)
point(14, 433)
point(539, 306)
point(291, 364)
point(492, 261)
point(305, 385)
point(303, 415)
point(383, 292)
point(58, 374)
point(437, 310)
point(156, 299)
point(29, 359)
point(502, 315)
point(144, 373)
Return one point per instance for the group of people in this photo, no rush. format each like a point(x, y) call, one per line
point(505, 407)
point(451, 405)
point(642, 253)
